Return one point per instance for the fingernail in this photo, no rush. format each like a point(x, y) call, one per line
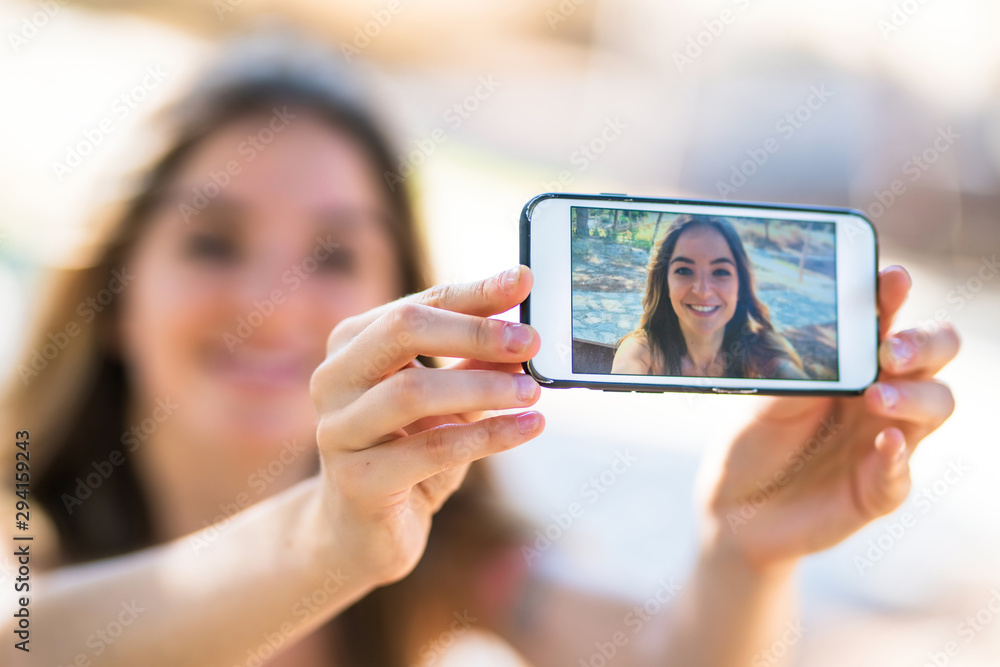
point(900, 455)
point(902, 352)
point(510, 277)
point(889, 396)
point(527, 422)
point(516, 337)
point(525, 387)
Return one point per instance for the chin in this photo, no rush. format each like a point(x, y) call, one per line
point(252, 426)
point(266, 442)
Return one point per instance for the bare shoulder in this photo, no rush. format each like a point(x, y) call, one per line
point(633, 356)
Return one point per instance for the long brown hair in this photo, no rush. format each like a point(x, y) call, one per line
point(750, 345)
point(73, 397)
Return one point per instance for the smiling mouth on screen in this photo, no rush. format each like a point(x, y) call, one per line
point(702, 311)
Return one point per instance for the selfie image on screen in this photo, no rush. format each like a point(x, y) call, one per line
point(657, 293)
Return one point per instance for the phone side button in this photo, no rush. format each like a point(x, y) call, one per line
point(723, 390)
point(631, 391)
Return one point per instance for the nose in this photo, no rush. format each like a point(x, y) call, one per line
point(261, 294)
point(701, 285)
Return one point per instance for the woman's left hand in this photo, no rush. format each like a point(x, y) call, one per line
point(808, 472)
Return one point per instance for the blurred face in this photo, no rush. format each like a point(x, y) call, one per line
point(238, 282)
point(702, 281)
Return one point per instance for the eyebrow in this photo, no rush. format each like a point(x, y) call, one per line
point(177, 198)
point(342, 219)
point(721, 260)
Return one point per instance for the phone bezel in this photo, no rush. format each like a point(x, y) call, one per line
point(697, 384)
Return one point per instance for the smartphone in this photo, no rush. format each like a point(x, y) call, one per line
point(646, 294)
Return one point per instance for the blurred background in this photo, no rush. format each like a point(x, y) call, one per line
point(890, 106)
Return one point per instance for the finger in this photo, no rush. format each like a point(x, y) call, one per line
point(917, 351)
point(408, 461)
point(416, 393)
point(489, 296)
point(883, 480)
point(411, 329)
point(894, 284)
point(480, 365)
point(927, 402)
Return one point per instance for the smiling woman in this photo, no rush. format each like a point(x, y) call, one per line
point(701, 315)
point(182, 394)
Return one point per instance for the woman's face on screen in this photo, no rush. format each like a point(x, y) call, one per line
point(259, 252)
point(702, 281)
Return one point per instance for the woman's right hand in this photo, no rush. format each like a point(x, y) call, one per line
point(396, 437)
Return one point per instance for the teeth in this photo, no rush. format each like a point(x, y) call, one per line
point(704, 309)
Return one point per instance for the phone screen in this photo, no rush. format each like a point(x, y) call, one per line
point(698, 295)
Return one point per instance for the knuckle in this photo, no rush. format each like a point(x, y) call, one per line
point(409, 387)
point(437, 295)
point(409, 316)
point(490, 431)
point(482, 333)
point(328, 432)
point(482, 290)
point(317, 383)
point(341, 333)
point(321, 383)
point(438, 446)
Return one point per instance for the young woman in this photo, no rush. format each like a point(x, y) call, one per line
point(701, 315)
point(241, 448)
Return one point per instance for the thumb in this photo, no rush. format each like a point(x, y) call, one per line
point(883, 476)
